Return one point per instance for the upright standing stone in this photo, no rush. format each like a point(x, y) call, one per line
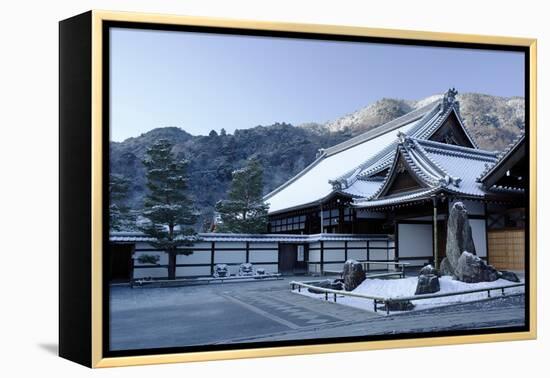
point(353, 274)
point(445, 268)
point(459, 236)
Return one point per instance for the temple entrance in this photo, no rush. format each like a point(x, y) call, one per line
point(120, 262)
point(292, 259)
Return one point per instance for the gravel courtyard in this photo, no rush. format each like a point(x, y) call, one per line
point(268, 311)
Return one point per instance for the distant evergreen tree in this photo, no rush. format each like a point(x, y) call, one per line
point(120, 217)
point(223, 132)
point(213, 133)
point(167, 206)
point(244, 211)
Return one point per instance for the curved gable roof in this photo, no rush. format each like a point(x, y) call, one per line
point(346, 167)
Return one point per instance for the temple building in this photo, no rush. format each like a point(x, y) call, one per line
point(382, 196)
point(400, 179)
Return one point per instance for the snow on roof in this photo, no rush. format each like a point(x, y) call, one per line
point(363, 188)
point(342, 168)
point(417, 195)
point(313, 183)
point(502, 157)
point(440, 167)
point(134, 237)
point(464, 163)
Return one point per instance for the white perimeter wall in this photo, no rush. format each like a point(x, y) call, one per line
point(261, 255)
point(334, 253)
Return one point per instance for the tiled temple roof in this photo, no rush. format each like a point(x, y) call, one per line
point(502, 157)
point(439, 167)
point(348, 167)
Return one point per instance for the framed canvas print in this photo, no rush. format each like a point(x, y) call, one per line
point(235, 189)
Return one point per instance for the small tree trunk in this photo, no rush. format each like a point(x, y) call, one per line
point(172, 265)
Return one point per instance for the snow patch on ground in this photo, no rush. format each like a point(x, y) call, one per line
point(405, 287)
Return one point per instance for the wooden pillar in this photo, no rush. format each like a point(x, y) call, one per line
point(486, 232)
point(212, 253)
point(321, 215)
point(346, 251)
point(368, 255)
point(247, 252)
point(436, 252)
point(322, 252)
point(340, 218)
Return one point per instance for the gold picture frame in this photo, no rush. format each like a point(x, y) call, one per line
point(93, 264)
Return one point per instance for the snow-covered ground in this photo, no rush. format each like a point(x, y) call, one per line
point(405, 287)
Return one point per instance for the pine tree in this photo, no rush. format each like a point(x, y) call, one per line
point(167, 206)
point(245, 211)
point(120, 217)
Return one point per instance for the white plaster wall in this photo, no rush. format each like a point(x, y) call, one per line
point(333, 266)
point(379, 254)
point(334, 255)
point(197, 257)
point(313, 268)
point(184, 271)
point(151, 272)
point(379, 244)
point(224, 257)
point(202, 245)
point(480, 236)
point(314, 255)
point(415, 240)
point(357, 254)
point(315, 245)
point(264, 256)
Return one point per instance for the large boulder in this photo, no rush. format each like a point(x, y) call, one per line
point(471, 269)
point(508, 276)
point(427, 270)
point(459, 235)
point(427, 284)
point(353, 274)
point(445, 268)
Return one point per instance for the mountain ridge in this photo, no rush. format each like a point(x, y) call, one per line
point(284, 149)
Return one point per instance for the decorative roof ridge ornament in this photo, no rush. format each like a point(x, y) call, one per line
point(405, 140)
point(449, 100)
point(447, 180)
point(338, 185)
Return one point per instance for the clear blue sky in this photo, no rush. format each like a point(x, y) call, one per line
point(201, 82)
